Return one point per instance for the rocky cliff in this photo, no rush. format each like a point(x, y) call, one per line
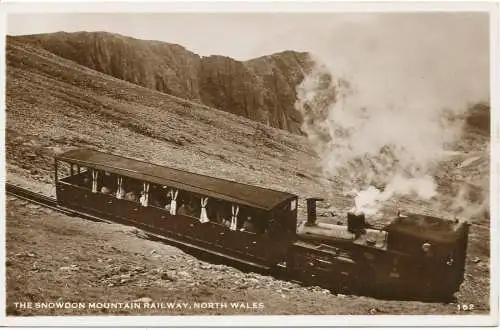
point(262, 89)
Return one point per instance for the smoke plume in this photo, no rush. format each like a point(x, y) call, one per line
point(387, 97)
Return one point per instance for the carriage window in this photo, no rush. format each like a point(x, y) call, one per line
point(164, 197)
point(64, 170)
point(249, 225)
point(252, 221)
point(189, 205)
point(107, 182)
point(131, 189)
point(220, 211)
point(293, 205)
point(236, 217)
point(83, 177)
point(71, 173)
point(159, 196)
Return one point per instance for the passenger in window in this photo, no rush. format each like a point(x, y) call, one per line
point(226, 222)
point(132, 196)
point(153, 201)
point(106, 190)
point(167, 201)
point(167, 207)
point(249, 226)
point(182, 209)
point(219, 214)
point(120, 194)
point(188, 209)
point(223, 219)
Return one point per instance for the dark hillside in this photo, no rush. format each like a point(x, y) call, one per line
point(478, 119)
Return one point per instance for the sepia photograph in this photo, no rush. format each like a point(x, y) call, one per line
point(261, 163)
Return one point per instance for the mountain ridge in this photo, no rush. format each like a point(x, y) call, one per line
point(262, 89)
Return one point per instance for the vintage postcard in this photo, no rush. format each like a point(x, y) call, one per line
point(257, 164)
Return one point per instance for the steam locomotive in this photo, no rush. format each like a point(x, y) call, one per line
point(414, 256)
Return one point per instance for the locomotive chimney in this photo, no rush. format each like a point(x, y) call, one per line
point(311, 210)
point(355, 222)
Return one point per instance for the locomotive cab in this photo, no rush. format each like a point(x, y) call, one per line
point(437, 248)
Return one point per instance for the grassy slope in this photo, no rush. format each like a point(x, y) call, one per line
point(54, 105)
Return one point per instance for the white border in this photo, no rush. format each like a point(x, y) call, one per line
point(3, 163)
point(494, 160)
point(259, 321)
point(247, 6)
point(294, 320)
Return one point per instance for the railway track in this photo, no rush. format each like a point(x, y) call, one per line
point(30, 196)
point(198, 252)
point(48, 202)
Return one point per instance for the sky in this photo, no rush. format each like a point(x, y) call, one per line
point(238, 35)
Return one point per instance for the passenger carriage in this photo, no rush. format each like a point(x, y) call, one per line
point(239, 221)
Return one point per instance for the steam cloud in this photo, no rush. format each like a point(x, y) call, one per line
point(386, 98)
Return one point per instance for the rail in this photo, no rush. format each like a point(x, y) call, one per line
point(30, 196)
point(48, 202)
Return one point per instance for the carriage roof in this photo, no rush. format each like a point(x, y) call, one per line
point(231, 191)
